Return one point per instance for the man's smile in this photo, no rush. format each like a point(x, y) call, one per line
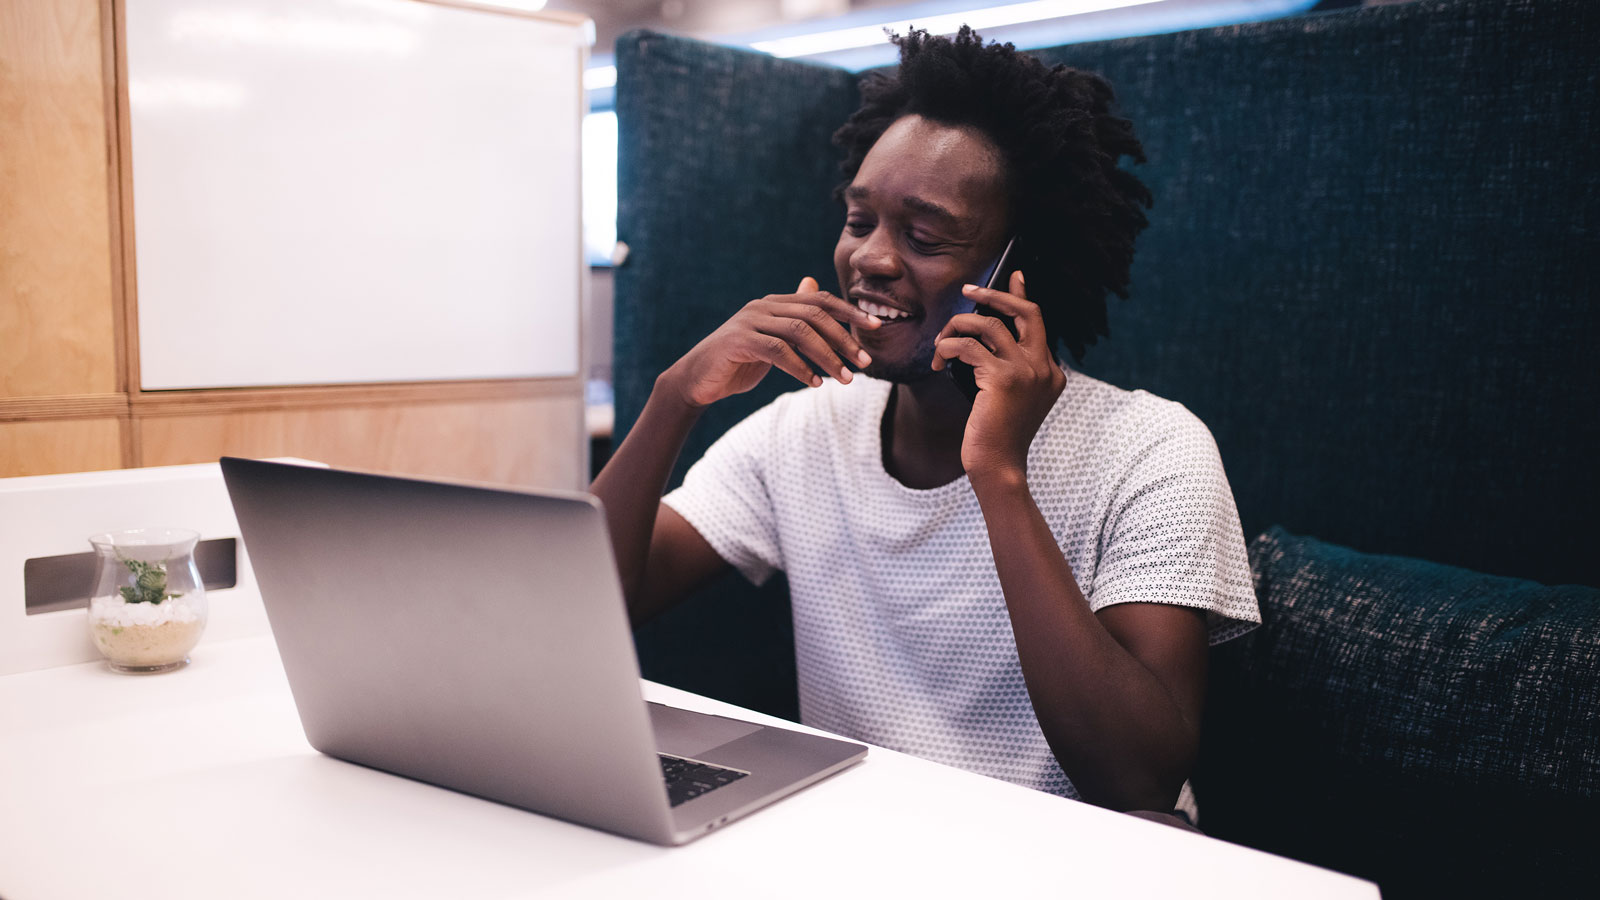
point(881, 306)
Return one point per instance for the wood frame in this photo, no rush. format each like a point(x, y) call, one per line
point(120, 214)
point(131, 404)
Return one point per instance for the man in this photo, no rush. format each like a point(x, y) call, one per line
point(1024, 584)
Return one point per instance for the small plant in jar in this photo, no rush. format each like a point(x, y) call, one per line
point(149, 605)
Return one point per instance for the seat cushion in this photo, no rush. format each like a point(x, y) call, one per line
point(1426, 726)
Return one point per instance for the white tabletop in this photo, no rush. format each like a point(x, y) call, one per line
point(200, 783)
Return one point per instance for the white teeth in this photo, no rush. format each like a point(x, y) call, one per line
point(882, 312)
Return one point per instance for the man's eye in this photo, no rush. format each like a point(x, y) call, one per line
point(922, 245)
point(857, 227)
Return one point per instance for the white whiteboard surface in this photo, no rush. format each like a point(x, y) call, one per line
point(339, 191)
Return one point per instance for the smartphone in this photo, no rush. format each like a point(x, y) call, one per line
point(997, 277)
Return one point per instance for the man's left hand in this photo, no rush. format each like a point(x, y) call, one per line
point(1018, 378)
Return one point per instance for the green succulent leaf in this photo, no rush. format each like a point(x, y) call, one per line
point(149, 582)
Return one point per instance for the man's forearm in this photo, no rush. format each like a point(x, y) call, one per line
point(1114, 728)
point(630, 485)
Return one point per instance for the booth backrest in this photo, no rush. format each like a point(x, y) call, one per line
point(1371, 269)
point(724, 176)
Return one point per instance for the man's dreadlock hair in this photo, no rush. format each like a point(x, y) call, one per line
point(1075, 214)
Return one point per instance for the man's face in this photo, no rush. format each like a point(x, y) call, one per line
point(925, 214)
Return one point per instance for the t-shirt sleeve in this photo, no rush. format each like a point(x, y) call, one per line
point(725, 497)
point(1173, 533)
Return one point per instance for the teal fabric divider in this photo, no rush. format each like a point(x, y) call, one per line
point(725, 175)
point(1371, 270)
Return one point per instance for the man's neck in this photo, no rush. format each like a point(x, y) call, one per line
point(922, 429)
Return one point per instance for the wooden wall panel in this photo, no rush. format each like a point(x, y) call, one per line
point(49, 446)
point(532, 442)
point(58, 335)
point(66, 272)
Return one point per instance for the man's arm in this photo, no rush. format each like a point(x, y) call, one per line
point(660, 556)
point(1118, 695)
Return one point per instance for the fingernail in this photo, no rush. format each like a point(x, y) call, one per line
point(968, 288)
point(863, 358)
point(844, 375)
point(816, 381)
point(1022, 278)
point(874, 320)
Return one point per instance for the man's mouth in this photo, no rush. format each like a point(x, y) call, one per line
point(874, 306)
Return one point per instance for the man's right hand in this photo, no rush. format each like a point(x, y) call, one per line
point(782, 330)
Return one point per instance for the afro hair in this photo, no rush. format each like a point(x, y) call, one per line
point(1075, 211)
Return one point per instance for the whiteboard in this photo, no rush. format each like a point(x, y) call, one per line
point(343, 191)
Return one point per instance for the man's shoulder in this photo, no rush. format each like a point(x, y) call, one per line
point(1128, 422)
point(802, 428)
point(1101, 401)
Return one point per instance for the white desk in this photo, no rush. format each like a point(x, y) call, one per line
point(200, 784)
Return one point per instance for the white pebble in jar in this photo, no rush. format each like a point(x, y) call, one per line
point(144, 635)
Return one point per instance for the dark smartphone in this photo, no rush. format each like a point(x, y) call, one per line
point(998, 276)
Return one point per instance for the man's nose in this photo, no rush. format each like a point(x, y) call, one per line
point(876, 256)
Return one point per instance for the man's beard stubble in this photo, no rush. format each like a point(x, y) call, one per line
point(915, 369)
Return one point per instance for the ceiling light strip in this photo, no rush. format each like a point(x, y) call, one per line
point(949, 23)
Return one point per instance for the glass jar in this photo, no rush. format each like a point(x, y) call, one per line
point(149, 604)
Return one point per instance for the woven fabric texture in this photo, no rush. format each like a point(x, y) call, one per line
point(1372, 269)
point(724, 181)
point(725, 171)
point(1432, 728)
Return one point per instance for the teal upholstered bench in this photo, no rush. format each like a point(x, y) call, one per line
point(1371, 269)
point(1427, 726)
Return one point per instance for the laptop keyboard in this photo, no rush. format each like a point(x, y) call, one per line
point(690, 778)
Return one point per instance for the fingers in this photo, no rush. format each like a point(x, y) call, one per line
point(967, 349)
point(816, 335)
point(780, 355)
point(794, 332)
point(990, 331)
point(979, 340)
point(841, 310)
point(1026, 314)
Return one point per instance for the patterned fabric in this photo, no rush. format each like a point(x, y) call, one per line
point(902, 635)
point(1437, 728)
point(1371, 270)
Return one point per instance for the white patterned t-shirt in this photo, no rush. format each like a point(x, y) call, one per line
point(902, 637)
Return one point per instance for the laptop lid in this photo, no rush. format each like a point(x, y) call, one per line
point(470, 637)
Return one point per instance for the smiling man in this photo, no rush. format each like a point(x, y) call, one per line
point(1025, 583)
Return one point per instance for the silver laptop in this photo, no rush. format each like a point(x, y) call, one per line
point(477, 639)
